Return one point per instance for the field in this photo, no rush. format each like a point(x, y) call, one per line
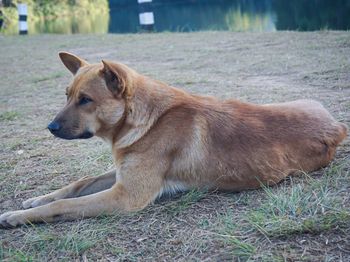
point(305, 218)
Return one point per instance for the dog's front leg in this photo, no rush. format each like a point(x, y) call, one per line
point(132, 194)
point(82, 187)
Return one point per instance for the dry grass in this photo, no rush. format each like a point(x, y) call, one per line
point(302, 219)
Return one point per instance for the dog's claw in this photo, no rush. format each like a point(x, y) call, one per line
point(12, 219)
point(5, 225)
point(27, 204)
point(36, 201)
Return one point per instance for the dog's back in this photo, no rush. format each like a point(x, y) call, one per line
point(232, 145)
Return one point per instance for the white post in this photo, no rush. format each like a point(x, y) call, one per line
point(146, 16)
point(22, 15)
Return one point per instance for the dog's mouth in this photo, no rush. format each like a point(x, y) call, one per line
point(67, 136)
point(86, 135)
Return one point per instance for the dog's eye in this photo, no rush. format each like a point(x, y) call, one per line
point(84, 100)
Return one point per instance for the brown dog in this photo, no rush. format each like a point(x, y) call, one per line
point(166, 140)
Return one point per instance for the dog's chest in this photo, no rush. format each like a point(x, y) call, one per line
point(172, 187)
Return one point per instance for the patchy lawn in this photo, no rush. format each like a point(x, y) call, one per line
point(306, 218)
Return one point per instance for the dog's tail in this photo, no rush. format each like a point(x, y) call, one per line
point(343, 132)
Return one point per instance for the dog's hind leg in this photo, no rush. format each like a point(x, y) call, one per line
point(82, 187)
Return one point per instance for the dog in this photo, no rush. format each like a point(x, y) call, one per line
point(165, 140)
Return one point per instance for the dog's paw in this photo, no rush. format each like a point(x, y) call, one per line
point(12, 219)
point(37, 201)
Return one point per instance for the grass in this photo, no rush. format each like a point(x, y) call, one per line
point(311, 206)
point(307, 206)
point(39, 242)
point(48, 77)
point(184, 202)
point(304, 218)
point(229, 233)
point(9, 116)
point(241, 250)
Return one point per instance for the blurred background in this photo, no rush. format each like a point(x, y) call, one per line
point(122, 16)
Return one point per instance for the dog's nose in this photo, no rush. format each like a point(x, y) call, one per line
point(54, 126)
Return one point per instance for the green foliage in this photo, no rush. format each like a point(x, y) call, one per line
point(56, 16)
point(239, 21)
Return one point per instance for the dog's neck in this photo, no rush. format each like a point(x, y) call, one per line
point(150, 100)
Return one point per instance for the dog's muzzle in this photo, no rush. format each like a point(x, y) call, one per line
point(57, 130)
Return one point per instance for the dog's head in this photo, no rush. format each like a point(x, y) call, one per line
point(96, 98)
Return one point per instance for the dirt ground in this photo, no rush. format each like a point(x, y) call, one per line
point(303, 219)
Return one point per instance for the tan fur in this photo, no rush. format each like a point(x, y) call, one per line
point(165, 140)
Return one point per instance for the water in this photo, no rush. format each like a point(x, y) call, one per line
point(234, 15)
point(195, 15)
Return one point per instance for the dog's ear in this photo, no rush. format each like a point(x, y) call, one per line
point(72, 62)
point(116, 77)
